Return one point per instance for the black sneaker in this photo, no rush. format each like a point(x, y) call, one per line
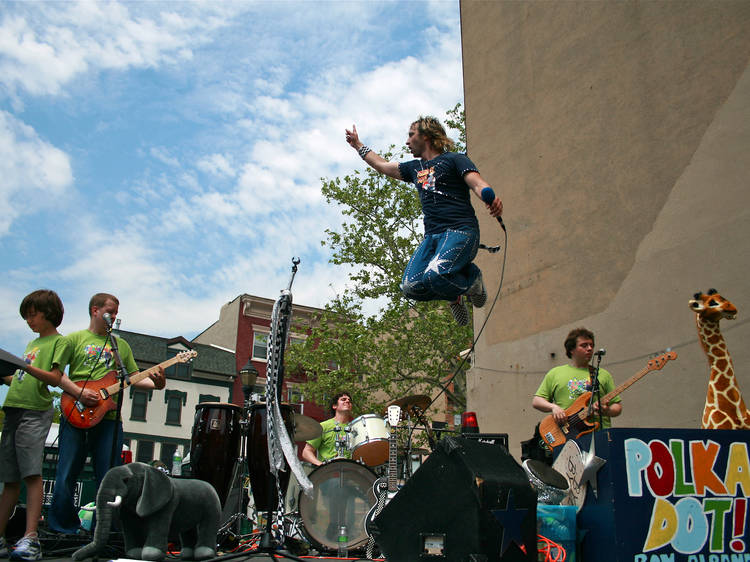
point(477, 294)
point(459, 311)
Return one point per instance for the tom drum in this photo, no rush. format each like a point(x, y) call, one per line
point(368, 439)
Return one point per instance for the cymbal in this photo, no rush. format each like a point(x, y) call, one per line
point(306, 428)
point(409, 403)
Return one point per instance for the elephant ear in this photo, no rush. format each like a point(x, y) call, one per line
point(156, 493)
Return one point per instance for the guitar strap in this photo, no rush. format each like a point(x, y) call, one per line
point(86, 380)
point(378, 509)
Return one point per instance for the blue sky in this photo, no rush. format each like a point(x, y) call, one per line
point(171, 153)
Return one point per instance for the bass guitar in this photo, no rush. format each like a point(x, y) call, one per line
point(386, 487)
point(579, 414)
point(84, 417)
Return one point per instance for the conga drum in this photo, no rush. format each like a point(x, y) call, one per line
point(261, 481)
point(215, 444)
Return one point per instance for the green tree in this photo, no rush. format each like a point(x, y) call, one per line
point(405, 348)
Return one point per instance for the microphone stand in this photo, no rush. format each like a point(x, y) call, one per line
point(595, 388)
point(124, 378)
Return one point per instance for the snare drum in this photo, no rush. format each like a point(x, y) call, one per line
point(368, 439)
point(215, 444)
point(261, 480)
point(342, 496)
point(550, 485)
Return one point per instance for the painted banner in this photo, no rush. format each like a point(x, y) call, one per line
point(668, 495)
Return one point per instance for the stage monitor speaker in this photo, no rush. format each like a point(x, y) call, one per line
point(469, 501)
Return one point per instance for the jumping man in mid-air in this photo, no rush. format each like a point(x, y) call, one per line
point(441, 267)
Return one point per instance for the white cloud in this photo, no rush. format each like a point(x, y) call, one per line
point(217, 165)
point(162, 155)
point(218, 204)
point(69, 39)
point(34, 173)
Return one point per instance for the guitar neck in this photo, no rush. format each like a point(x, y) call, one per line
point(139, 376)
point(632, 380)
point(392, 466)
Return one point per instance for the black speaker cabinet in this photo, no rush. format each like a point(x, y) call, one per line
point(469, 501)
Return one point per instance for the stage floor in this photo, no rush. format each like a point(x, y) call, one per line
point(61, 548)
point(234, 556)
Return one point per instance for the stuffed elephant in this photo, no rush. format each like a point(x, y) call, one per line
point(152, 507)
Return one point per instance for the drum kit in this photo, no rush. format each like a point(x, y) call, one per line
point(227, 438)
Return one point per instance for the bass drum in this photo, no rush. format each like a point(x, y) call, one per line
point(342, 496)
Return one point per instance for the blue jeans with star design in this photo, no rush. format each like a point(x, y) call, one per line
point(441, 267)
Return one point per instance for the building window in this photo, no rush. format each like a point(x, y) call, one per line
point(208, 398)
point(295, 395)
point(139, 399)
point(167, 453)
point(258, 392)
point(260, 346)
point(145, 451)
point(178, 370)
point(175, 400)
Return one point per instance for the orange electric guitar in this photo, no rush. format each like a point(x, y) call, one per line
point(580, 413)
point(84, 417)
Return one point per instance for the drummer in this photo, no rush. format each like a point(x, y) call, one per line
point(323, 448)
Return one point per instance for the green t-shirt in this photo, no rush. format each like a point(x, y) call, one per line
point(28, 392)
point(89, 356)
point(326, 443)
point(564, 384)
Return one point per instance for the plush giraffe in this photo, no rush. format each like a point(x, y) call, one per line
point(725, 408)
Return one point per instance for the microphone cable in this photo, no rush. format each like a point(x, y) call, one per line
point(492, 250)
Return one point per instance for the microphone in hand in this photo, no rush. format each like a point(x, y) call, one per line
point(488, 196)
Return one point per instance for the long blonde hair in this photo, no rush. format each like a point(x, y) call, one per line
point(431, 128)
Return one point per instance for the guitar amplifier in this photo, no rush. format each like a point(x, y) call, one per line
point(500, 439)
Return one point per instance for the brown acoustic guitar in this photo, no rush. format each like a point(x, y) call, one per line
point(84, 417)
point(580, 413)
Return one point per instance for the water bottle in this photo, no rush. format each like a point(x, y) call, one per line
point(343, 539)
point(177, 462)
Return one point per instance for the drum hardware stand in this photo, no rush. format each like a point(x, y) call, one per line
point(341, 442)
point(248, 375)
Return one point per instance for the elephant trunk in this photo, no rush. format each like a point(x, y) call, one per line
point(101, 532)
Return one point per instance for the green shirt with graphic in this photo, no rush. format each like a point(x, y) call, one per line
point(564, 384)
point(92, 358)
point(27, 391)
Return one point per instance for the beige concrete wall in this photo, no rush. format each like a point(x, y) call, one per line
point(618, 136)
point(224, 331)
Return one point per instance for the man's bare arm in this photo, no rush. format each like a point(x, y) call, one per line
point(372, 158)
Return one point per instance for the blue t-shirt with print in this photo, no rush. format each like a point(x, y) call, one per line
point(445, 197)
